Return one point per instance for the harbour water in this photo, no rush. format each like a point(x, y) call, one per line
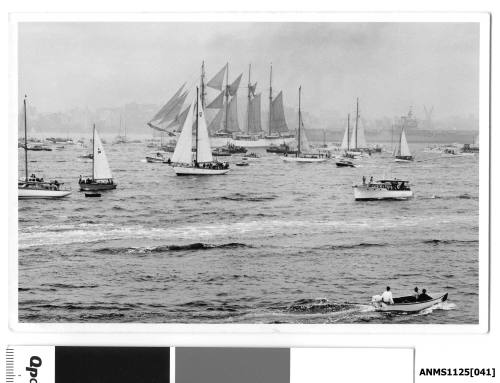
point(273, 242)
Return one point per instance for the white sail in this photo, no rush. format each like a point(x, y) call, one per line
point(278, 122)
point(204, 152)
point(304, 142)
point(254, 119)
point(183, 149)
point(101, 166)
point(404, 148)
point(232, 116)
point(345, 141)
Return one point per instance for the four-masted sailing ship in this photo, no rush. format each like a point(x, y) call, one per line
point(101, 178)
point(32, 187)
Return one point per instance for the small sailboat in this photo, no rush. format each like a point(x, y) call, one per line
point(202, 164)
point(101, 179)
point(347, 156)
point(303, 153)
point(403, 153)
point(32, 187)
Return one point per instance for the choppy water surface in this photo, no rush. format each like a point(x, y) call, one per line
point(269, 243)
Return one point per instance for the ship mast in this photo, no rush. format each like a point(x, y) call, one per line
point(300, 123)
point(348, 129)
point(202, 84)
point(25, 140)
point(356, 126)
point(270, 96)
point(227, 97)
point(197, 106)
point(93, 151)
point(249, 96)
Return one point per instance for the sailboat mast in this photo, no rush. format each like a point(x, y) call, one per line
point(348, 129)
point(93, 151)
point(356, 126)
point(202, 83)
point(300, 122)
point(196, 151)
point(249, 96)
point(270, 96)
point(227, 98)
point(25, 141)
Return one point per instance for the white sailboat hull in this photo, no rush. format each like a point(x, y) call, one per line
point(217, 142)
point(367, 193)
point(25, 193)
point(402, 160)
point(303, 159)
point(192, 171)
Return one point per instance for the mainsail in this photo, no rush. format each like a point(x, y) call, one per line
point(304, 142)
point(345, 141)
point(358, 139)
point(183, 149)
point(403, 148)
point(232, 116)
point(254, 116)
point(101, 167)
point(216, 122)
point(203, 149)
point(175, 110)
point(217, 81)
point(179, 120)
point(277, 120)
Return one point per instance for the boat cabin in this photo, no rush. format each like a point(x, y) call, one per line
point(394, 184)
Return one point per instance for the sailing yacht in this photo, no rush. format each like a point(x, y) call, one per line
point(303, 153)
point(202, 164)
point(32, 187)
point(358, 141)
point(402, 152)
point(101, 179)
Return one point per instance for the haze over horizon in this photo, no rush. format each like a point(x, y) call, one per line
point(389, 66)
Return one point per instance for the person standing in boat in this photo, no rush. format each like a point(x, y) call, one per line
point(387, 296)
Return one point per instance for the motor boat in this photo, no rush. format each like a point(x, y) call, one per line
point(407, 304)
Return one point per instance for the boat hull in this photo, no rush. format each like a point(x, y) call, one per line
point(403, 159)
point(410, 307)
point(25, 193)
point(97, 186)
point(155, 160)
point(303, 159)
point(192, 171)
point(216, 142)
point(367, 193)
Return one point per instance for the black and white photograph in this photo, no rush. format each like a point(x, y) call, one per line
point(250, 172)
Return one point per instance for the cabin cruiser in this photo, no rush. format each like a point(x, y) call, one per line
point(157, 157)
point(382, 189)
point(36, 187)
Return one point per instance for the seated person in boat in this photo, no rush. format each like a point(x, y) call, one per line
point(424, 297)
point(416, 294)
point(387, 296)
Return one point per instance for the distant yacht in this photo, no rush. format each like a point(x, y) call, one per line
point(202, 163)
point(303, 153)
point(382, 189)
point(32, 187)
point(101, 179)
point(402, 152)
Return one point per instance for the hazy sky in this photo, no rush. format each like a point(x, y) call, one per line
point(388, 65)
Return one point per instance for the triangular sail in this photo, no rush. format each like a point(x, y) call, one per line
point(254, 116)
point(233, 88)
point(183, 149)
point(232, 116)
point(358, 139)
point(165, 109)
point(304, 142)
point(404, 149)
point(204, 151)
point(179, 119)
point(217, 102)
point(278, 122)
point(216, 122)
point(345, 141)
point(174, 111)
point(101, 166)
point(217, 81)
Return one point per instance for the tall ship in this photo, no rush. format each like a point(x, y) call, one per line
point(222, 113)
point(32, 187)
